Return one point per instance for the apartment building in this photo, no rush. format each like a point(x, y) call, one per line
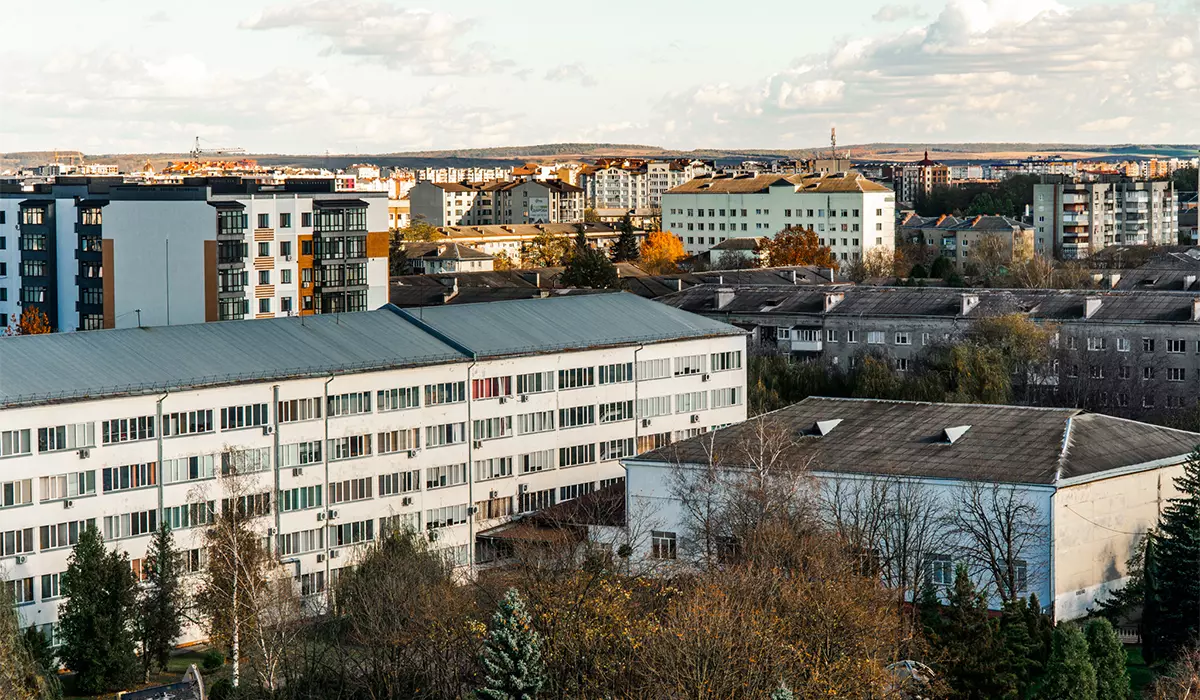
point(1128, 352)
point(496, 203)
point(1081, 218)
point(850, 214)
point(463, 174)
point(93, 253)
point(956, 237)
point(509, 239)
point(919, 179)
point(634, 183)
point(444, 420)
point(1086, 505)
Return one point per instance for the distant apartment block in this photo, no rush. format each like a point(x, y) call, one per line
point(636, 184)
point(957, 238)
point(851, 214)
point(463, 174)
point(919, 179)
point(1081, 218)
point(493, 203)
point(96, 254)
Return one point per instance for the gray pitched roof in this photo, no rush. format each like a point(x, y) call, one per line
point(1005, 444)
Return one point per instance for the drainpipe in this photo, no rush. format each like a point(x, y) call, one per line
point(469, 429)
point(158, 415)
point(325, 485)
point(272, 545)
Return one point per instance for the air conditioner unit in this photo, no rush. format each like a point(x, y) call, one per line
point(706, 377)
point(493, 494)
point(333, 554)
point(305, 285)
point(270, 531)
point(21, 559)
point(433, 535)
point(320, 558)
point(412, 453)
point(645, 422)
point(332, 514)
point(321, 515)
point(288, 258)
point(85, 453)
point(268, 430)
point(406, 501)
point(503, 399)
point(695, 419)
point(297, 471)
point(523, 488)
point(478, 444)
point(68, 503)
point(524, 398)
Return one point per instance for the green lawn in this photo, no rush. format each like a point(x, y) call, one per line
point(175, 668)
point(1140, 675)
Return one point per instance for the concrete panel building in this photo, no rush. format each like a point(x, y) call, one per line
point(1082, 218)
point(496, 203)
point(957, 238)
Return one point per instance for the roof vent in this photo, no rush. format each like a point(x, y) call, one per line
point(832, 299)
point(969, 302)
point(823, 427)
point(1196, 309)
point(724, 297)
point(1090, 306)
point(1188, 281)
point(951, 435)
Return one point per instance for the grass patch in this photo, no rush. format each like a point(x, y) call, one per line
point(1140, 675)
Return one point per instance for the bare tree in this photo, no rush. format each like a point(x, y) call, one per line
point(995, 529)
point(913, 531)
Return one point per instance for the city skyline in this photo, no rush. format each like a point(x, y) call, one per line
point(380, 76)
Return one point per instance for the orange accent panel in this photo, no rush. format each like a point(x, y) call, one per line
point(106, 269)
point(210, 281)
point(264, 234)
point(264, 291)
point(377, 244)
point(264, 263)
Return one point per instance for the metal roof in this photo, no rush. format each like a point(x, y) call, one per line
point(38, 369)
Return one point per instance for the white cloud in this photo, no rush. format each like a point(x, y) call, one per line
point(571, 73)
point(1114, 124)
point(896, 13)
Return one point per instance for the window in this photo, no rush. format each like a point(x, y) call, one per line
point(940, 571)
point(1072, 342)
point(1124, 372)
point(831, 336)
point(296, 410)
point(235, 417)
point(445, 517)
point(1147, 344)
point(494, 468)
point(1097, 344)
point(130, 524)
point(616, 449)
point(13, 542)
point(1097, 371)
point(723, 398)
point(300, 498)
point(51, 586)
point(492, 428)
point(399, 482)
point(129, 476)
point(536, 500)
point(264, 306)
point(616, 411)
point(188, 422)
point(350, 490)
point(445, 434)
point(1122, 344)
point(875, 337)
point(190, 515)
point(351, 533)
point(264, 277)
point(119, 430)
point(21, 590)
point(616, 373)
point(300, 542)
point(188, 468)
point(535, 383)
point(493, 508)
point(398, 523)
point(399, 440)
point(1147, 373)
point(1176, 374)
point(251, 506)
point(285, 221)
point(576, 455)
point(349, 404)
point(654, 406)
point(398, 399)
point(351, 447)
point(723, 361)
point(689, 364)
point(539, 422)
point(851, 336)
point(691, 402)
point(575, 378)
point(536, 461)
point(1177, 346)
point(264, 221)
point(654, 369)
point(14, 442)
point(576, 416)
point(66, 437)
point(573, 491)
point(446, 392)
point(903, 339)
point(663, 545)
point(69, 485)
point(306, 221)
point(446, 475)
point(491, 388)
point(33, 215)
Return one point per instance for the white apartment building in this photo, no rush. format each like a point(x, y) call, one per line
point(445, 420)
point(496, 203)
point(636, 184)
point(850, 214)
point(464, 174)
point(94, 254)
point(1081, 218)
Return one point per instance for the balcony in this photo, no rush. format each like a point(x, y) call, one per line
point(1076, 219)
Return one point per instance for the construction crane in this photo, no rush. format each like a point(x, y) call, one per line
point(198, 153)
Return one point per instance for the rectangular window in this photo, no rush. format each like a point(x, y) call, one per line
point(188, 468)
point(903, 339)
point(350, 490)
point(190, 515)
point(21, 590)
point(663, 545)
point(851, 336)
point(399, 482)
point(351, 447)
point(298, 454)
point(723, 361)
point(492, 428)
point(493, 508)
point(1176, 374)
point(301, 542)
point(616, 411)
point(398, 399)
point(654, 369)
point(575, 378)
point(129, 476)
point(446, 475)
point(445, 434)
point(446, 392)
point(691, 402)
point(51, 586)
point(616, 449)
point(1147, 373)
point(536, 500)
point(723, 398)
point(119, 430)
point(654, 406)
point(248, 461)
point(187, 423)
point(16, 493)
point(1176, 346)
point(875, 337)
point(1097, 344)
point(250, 416)
point(616, 373)
point(1147, 344)
point(13, 542)
point(573, 491)
point(296, 410)
point(399, 523)
point(689, 364)
point(494, 468)
point(536, 461)
point(539, 422)
point(66, 437)
point(130, 524)
point(14, 442)
point(393, 441)
point(940, 571)
point(576, 455)
point(491, 387)
point(350, 404)
point(285, 221)
point(576, 416)
point(251, 506)
point(264, 221)
point(300, 498)
point(535, 383)
point(445, 517)
point(70, 485)
point(1122, 344)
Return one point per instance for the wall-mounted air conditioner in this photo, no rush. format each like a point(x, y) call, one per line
point(297, 471)
point(85, 453)
point(268, 430)
point(695, 419)
point(645, 422)
point(493, 494)
point(68, 503)
point(706, 377)
point(406, 501)
point(524, 398)
point(321, 515)
point(412, 453)
point(320, 558)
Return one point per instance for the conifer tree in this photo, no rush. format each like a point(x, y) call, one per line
point(783, 693)
point(627, 244)
point(1176, 575)
point(95, 622)
point(160, 605)
point(24, 670)
point(1069, 674)
point(512, 657)
point(1108, 660)
point(967, 642)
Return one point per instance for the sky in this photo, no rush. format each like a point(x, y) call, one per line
point(381, 76)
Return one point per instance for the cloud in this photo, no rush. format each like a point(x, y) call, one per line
point(421, 41)
point(570, 73)
point(895, 13)
point(1114, 124)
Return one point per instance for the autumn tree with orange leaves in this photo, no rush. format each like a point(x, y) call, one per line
point(797, 246)
point(32, 322)
point(661, 251)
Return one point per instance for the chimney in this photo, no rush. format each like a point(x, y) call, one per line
point(1188, 281)
point(450, 293)
point(1090, 306)
point(969, 302)
point(679, 285)
point(793, 276)
point(832, 299)
point(831, 273)
point(724, 296)
point(1196, 309)
point(1114, 278)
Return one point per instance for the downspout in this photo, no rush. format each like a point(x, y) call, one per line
point(272, 545)
point(158, 417)
point(325, 485)
point(469, 429)
point(637, 425)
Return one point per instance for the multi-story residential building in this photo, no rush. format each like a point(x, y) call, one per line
point(509, 239)
point(496, 203)
point(440, 258)
point(464, 174)
point(443, 420)
point(633, 184)
point(850, 214)
point(102, 254)
point(956, 238)
point(1084, 505)
point(919, 179)
point(1081, 218)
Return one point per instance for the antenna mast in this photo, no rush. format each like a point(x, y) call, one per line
point(833, 142)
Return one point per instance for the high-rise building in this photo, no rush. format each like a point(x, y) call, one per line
point(921, 178)
point(1082, 218)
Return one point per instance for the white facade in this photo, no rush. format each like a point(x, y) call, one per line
point(637, 184)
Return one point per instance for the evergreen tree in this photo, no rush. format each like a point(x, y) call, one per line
point(918, 271)
point(967, 643)
point(512, 657)
point(40, 650)
point(1177, 570)
point(1108, 660)
point(942, 267)
point(1069, 674)
point(783, 693)
point(1151, 606)
point(1025, 633)
point(590, 269)
point(24, 670)
point(626, 249)
point(95, 621)
point(160, 605)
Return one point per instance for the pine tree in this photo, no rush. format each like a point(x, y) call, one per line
point(512, 657)
point(590, 269)
point(22, 673)
point(160, 605)
point(1177, 571)
point(1108, 659)
point(783, 693)
point(627, 244)
point(1069, 674)
point(95, 621)
point(1022, 645)
point(967, 643)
